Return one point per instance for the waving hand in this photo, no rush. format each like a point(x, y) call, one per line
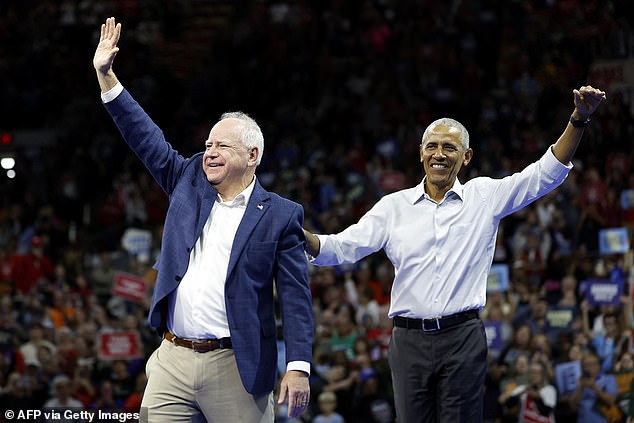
point(105, 53)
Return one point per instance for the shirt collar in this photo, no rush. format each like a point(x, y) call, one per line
point(419, 191)
point(241, 199)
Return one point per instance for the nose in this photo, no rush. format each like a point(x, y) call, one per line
point(211, 149)
point(439, 153)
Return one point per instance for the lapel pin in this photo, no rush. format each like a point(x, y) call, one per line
point(260, 206)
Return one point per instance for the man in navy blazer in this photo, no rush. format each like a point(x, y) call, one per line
point(227, 246)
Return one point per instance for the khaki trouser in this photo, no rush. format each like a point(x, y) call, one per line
point(187, 386)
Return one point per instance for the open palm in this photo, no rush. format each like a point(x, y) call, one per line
point(107, 48)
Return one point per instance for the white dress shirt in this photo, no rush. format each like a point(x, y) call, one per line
point(197, 307)
point(441, 252)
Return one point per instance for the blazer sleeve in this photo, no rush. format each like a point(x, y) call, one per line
point(293, 290)
point(147, 140)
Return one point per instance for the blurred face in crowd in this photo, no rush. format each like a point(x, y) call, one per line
point(591, 366)
point(521, 364)
point(574, 353)
point(611, 324)
point(523, 336)
point(536, 374)
point(442, 156)
point(228, 164)
point(540, 307)
point(327, 405)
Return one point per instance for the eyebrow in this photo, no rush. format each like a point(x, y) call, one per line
point(451, 143)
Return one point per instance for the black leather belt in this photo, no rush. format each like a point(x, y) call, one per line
point(436, 324)
point(201, 346)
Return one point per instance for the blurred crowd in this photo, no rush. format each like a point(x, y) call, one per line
point(343, 91)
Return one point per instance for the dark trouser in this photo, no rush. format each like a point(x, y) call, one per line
point(438, 377)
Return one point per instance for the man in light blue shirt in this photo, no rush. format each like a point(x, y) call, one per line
point(596, 392)
point(440, 237)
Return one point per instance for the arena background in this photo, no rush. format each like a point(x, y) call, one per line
point(343, 91)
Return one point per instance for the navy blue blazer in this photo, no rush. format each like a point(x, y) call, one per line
point(267, 253)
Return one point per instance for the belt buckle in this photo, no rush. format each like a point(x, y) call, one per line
point(200, 346)
point(433, 328)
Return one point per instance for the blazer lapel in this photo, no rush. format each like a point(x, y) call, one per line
point(256, 208)
point(205, 202)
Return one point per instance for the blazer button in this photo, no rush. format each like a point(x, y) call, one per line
point(189, 250)
point(178, 278)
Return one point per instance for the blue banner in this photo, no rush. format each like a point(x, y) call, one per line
point(603, 291)
point(567, 376)
point(493, 330)
point(613, 241)
point(498, 279)
point(560, 317)
point(627, 199)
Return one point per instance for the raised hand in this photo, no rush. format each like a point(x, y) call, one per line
point(587, 99)
point(107, 48)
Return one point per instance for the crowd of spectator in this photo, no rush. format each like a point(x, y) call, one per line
point(343, 91)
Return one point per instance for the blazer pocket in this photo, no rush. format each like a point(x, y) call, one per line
point(261, 257)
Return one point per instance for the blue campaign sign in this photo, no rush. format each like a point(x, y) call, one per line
point(493, 332)
point(604, 291)
point(560, 317)
point(567, 376)
point(613, 241)
point(137, 242)
point(627, 199)
point(498, 278)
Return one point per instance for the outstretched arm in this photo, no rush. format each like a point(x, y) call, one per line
point(105, 53)
point(312, 244)
point(586, 100)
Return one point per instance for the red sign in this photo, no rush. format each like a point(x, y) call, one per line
point(391, 181)
point(612, 74)
point(118, 345)
point(130, 287)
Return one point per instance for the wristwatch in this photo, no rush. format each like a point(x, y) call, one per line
point(579, 123)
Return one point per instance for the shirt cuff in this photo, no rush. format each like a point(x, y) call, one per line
point(553, 166)
point(320, 259)
point(302, 366)
point(554, 162)
point(113, 93)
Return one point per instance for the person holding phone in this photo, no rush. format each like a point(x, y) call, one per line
point(595, 396)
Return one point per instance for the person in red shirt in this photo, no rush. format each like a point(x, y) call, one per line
point(28, 269)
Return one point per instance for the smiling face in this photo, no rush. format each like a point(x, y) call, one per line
point(228, 164)
point(442, 155)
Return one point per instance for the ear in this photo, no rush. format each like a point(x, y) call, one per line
point(254, 153)
point(420, 149)
point(468, 155)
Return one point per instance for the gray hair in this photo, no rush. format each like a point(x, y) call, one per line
point(452, 123)
point(250, 133)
